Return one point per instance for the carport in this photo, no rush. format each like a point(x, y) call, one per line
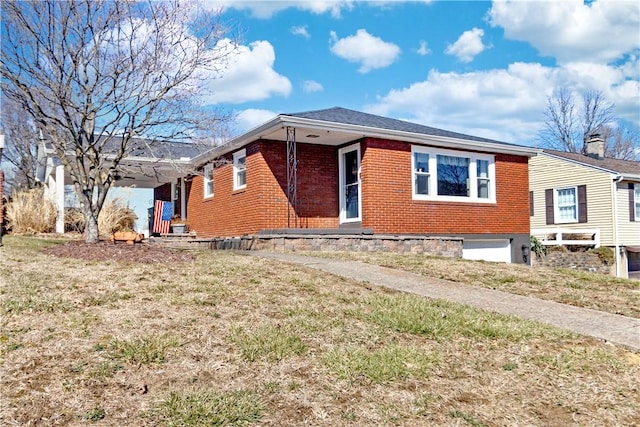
point(149, 167)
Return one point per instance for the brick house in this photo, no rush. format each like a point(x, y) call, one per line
point(338, 170)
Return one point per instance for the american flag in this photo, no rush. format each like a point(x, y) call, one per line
point(162, 212)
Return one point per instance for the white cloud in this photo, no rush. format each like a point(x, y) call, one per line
point(252, 117)
point(572, 31)
point(369, 51)
point(468, 45)
point(504, 104)
point(309, 86)
point(423, 49)
point(266, 9)
point(249, 76)
point(301, 31)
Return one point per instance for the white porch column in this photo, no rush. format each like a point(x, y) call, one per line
point(173, 198)
point(59, 198)
point(183, 199)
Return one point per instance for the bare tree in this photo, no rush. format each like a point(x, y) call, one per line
point(622, 143)
point(95, 75)
point(21, 148)
point(567, 127)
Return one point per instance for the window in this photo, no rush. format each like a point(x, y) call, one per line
point(239, 170)
point(452, 175)
point(421, 171)
point(636, 198)
point(208, 181)
point(566, 205)
point(482, 174)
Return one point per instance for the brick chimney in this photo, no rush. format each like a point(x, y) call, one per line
point(595, 146)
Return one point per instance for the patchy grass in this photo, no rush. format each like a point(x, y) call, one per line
point(574, 287)
point(226, 339)
point(210, 408)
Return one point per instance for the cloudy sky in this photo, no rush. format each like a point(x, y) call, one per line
point(484, 68)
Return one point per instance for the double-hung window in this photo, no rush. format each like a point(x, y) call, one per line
point(208, 181)
point(239, 169)
point(452, 175)
point(421, 173)
point(566, 205)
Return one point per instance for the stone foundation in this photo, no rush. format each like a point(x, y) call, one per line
point(440, 246)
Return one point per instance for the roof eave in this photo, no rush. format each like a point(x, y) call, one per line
point(361, 131)
point(601, 169)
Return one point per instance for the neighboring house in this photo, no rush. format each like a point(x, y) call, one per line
point(575, 195)
point(338, 169)
point(148, 166)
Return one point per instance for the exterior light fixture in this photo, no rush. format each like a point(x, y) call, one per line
point(525, 253)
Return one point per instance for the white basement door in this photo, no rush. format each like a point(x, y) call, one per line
point(487, 250)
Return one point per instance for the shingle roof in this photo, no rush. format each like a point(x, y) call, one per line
point(613, 165)
point(346, 116)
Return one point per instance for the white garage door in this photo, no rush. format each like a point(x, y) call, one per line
point(487, 250)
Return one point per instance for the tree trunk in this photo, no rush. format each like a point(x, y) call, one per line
point(91, 232)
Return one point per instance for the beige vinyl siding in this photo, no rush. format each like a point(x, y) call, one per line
point(549, 172)
point(628, 232)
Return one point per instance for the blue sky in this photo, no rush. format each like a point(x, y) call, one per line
point(483, 68)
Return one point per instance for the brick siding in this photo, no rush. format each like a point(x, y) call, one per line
point(388, 206)
point(386, 191)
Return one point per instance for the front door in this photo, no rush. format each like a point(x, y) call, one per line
point(349, 169)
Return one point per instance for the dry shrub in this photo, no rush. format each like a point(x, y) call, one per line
point(30, 212)
point(73, 220)
point(114, 216)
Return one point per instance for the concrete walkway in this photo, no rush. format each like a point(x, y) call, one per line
point(612, 328)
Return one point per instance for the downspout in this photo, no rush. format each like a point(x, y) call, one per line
point(616, 242)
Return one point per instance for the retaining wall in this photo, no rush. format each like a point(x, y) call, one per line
point(573, 260)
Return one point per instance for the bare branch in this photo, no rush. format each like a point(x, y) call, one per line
point(567, 127)
point(92, 74)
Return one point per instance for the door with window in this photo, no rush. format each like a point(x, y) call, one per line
point(350, 193)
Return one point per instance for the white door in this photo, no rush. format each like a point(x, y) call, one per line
point(487, 250)
point(349, 190)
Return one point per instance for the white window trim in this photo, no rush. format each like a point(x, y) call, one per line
point(236, 157)
point(473, 177)
point(636, 200)
point(556, 207)
point(341, 184)
point(208, 170)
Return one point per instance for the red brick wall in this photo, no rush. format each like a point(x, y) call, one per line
point(388, 206)
point(163, 192)
point(386, 188)
point(263, 203)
